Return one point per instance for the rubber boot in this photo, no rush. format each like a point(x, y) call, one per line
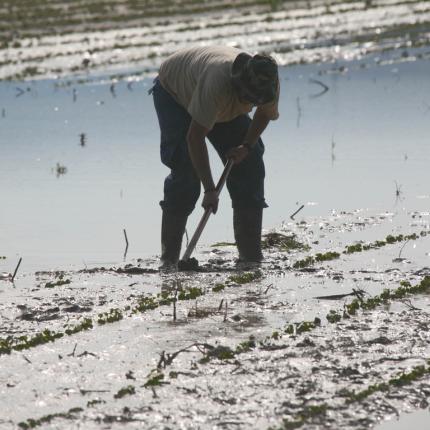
point(172, 231)
point(247, 224)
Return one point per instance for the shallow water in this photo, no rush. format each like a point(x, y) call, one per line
point(114, 181)
point(353, 147)
point(417, 420)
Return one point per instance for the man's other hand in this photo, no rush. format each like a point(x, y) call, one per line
point(210, 200)
point(238, 154)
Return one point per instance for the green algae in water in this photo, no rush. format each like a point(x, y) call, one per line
point(245, 277)
point(218, 287)
point(221, 244)
point(304, 415)
point(190, 294)
point(389, 240)
point(219, 352)
point(32, 423)
point(282, 242)
point(110, 317)
point(302, 327)
point(126, 391)
point(246, 346)
point(57, 283)
point(404, 290)
point(155, 381)
point(86, 324)
point(333, 316)
point(94, 402)
point(144, 304)
point(319, 257)
point(399, 381)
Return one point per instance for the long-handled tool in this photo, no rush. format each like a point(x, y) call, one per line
point(186, 262)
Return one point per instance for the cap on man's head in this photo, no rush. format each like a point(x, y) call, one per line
point(255, 77)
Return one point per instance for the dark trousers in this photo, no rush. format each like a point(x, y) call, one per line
point(182, 186)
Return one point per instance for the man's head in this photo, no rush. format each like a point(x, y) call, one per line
point(255, 78)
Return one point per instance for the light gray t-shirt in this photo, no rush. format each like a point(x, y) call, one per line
point(200, 80)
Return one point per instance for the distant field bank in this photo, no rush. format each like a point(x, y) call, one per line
point(52, 38)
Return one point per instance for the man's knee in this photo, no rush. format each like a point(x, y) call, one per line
point(181, 192)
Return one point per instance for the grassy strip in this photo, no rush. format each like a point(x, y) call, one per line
point(57, 283)
point(32, 423)
point(11, 343)
point(311, 260)
point(310, 412)
point(282, 242)
point(404, 290)
point(389, 240)
point(351, 249)
point(143, 304)
point(126, 391)
point(399, 381)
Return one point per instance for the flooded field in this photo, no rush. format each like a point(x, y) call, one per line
point(330, 332)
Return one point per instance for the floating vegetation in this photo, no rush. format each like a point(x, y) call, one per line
point(389, 240)
point(306, 414)
point(309, 261)
point(94, 402)
point(358, 247)
point(10, 343)
point(245, 278)
point(310, 412)
point(219, 352)
point(218, 287)
point(61, 281)
point(246, 346)
point(333, 316)
point(190, 294)
point(86, 324)
point(283, 243)
point(221, 244)
point(371, 303)
point(32, 422)
point(109, 317)
point(126, 391)
point(155, 380)
point(60, 170)
point(298, 328)
point(144, 304)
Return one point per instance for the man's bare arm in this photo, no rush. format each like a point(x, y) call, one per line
point(199, 157)
point(199, 153)
point(257, 126)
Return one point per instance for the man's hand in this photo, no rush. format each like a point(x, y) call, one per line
point(238, 154)
point(210, 200)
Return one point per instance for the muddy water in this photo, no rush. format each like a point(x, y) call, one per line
point(81, 163)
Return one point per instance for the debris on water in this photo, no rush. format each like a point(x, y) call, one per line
point(60, 170)
point(190, 264)
point(296, 212)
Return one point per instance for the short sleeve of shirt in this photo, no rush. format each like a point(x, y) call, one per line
point(271, 109)
point(204, 103)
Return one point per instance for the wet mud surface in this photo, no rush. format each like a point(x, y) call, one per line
point(331, 331)
point(228, 347)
